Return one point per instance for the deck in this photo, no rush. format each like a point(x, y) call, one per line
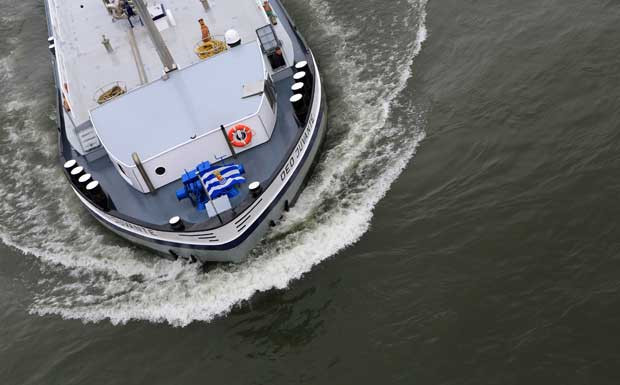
point(154, 210)
point(158, 207)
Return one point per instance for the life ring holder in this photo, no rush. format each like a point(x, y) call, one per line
point(240, 135)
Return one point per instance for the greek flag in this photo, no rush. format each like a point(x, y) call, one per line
point(221, 180)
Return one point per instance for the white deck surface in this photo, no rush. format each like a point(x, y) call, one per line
point(85, 65)
point(193, 101)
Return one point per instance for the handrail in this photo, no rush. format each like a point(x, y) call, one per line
point(140, 167)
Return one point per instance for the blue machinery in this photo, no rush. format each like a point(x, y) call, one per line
point(216, 182)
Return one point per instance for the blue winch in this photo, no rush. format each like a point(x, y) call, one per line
point(216, 182)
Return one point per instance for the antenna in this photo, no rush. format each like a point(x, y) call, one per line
point(162, 50)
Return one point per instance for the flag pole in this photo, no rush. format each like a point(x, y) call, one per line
point(204, 187)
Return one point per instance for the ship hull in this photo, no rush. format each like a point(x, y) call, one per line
point(233, 239)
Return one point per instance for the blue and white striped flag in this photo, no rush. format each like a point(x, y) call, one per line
point(222, 179)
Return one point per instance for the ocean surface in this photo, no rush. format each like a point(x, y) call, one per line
point(461, 226)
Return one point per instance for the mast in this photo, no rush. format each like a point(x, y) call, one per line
point(158, 41)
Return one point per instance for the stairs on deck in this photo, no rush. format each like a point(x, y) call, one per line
point(88, 139)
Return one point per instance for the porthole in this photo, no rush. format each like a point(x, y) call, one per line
point(160, 171)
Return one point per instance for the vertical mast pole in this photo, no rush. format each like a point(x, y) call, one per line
point(158, 41)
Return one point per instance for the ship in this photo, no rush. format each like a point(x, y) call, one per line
point(188, 127)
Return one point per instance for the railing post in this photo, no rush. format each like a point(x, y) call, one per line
point(230, 147)
point(140, 167)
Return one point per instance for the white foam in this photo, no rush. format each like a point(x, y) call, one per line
point(6, 70)
point(333, 212)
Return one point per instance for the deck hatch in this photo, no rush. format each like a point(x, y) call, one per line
point(268, 39)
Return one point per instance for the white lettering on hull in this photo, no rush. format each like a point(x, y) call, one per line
point(298, 152)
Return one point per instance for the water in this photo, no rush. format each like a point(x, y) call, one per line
point(460, 227)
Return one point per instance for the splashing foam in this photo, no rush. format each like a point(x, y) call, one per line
point(91, 275)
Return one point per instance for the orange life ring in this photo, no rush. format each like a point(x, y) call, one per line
point(240, 135)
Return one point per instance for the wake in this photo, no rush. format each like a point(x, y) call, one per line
point(91, 275)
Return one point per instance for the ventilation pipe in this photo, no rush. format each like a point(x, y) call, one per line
point(137, 57)
point(106, 43)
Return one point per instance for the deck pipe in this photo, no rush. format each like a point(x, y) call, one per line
point(97, 195)
point(106, 44)
point(158, 41)
point(137, 57)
